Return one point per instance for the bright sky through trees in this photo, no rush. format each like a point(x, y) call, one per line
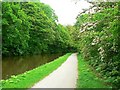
point(67, 10)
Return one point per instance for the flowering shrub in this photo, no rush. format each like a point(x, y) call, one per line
point(100, 45)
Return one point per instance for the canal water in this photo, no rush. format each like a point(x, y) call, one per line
point(18, 65)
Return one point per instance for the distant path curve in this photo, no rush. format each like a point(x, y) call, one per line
point(63, 77)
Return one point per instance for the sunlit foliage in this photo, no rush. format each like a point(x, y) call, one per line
point(100, 39)
point(31, 28)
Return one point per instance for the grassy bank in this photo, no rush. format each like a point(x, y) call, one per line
point(86, 77)
point(29, 78)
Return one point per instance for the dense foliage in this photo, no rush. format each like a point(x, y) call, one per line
point(31, 28)
point(100, 39)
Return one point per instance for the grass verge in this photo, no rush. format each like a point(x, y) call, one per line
point(87, 78)
point(29, 78)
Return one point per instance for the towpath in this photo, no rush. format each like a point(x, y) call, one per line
point(63, 77)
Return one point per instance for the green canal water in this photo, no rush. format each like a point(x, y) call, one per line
point(18, 65)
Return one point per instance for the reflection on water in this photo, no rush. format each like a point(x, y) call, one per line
point(18, 65)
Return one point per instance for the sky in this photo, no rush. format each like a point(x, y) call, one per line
point(66, 10)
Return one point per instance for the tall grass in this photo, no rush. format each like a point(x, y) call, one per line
point(88, 78)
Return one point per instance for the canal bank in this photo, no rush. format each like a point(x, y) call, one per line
point(15, 65)
point(29, 78)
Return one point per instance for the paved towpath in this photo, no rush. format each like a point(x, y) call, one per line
point(63, 77)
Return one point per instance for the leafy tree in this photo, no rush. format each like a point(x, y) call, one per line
point(40, 32)
point(15, 29)
point(31, 28)
point(99, 39)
